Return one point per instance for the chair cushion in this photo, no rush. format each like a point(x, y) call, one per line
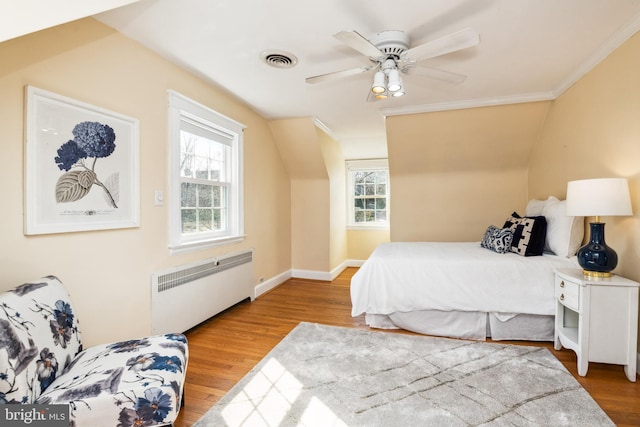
point(135, 382)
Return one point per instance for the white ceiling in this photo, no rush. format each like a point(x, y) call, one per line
point(529, 50)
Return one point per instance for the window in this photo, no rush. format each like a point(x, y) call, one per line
point(368, 193)
point(206, 176)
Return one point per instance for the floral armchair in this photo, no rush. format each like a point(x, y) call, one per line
point(131, 383)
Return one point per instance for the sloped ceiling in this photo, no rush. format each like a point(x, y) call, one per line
point(28, 16)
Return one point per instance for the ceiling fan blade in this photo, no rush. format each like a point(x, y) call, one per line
point(434, 73)
point(356, 41)
point(459, 40)
point(338, 74)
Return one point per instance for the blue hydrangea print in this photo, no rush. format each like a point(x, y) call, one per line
point(78, 158)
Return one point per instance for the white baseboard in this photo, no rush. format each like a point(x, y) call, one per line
point(326, 276)
point(267, 285)
point(354, 262)
point(312, 275)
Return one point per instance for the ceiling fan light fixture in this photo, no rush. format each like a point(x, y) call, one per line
point(398, 93)
point(395, 83)
point(378, 83)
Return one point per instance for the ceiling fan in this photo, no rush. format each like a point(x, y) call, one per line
point(390, 54)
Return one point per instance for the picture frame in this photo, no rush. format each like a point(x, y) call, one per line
point(81, 166)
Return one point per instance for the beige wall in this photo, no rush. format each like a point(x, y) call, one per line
point(360, 243)
point(336, 169)
point(593, 131)
point(298, 143)
point(108, 272)
point(454, 173)
point(316, 166)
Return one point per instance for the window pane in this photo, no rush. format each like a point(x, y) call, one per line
point(358, 190)
point(358, 177)
point(204, 196)
point(188, 220)
point(359, 204)
point(217, 219)
point(216, 167)
point(188, 195)
point(381, 203)
point(381, 176)
point(202, 167)
point(370, 189)
point(217, 196)
point(219, 156)
point(204, 220)
point(381, 189)
point(370, 203)
point(187, 142)
point(381, 215)
point(186, 165)
point(359, 216)
point(369, 216)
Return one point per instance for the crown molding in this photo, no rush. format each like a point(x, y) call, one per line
point(471, 103)
point(320, 125)
point(613, 43)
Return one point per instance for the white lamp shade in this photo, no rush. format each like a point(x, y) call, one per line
point(394, 81)
point(598, 197)
point(378, 83)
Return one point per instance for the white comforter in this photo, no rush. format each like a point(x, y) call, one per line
point(404, 277)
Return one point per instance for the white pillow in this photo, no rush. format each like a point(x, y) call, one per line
point(564, 233)
point(535, 207)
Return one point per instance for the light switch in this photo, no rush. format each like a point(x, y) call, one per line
point(158, 197)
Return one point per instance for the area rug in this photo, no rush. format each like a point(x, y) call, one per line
point(331, 376)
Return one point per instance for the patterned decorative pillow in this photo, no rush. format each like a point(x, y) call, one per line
point(529, 234)
point(497, 239)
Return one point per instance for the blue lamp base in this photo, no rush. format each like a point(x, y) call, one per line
point(596, 258)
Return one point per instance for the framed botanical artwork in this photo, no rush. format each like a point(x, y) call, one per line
point(81, 166)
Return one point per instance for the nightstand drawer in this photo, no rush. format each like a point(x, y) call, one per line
point(568, 293)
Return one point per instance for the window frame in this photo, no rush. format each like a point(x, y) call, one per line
point(185, 112)
point(359, 166)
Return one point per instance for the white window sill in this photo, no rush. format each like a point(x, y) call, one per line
point(368, 227)
point(204, 244)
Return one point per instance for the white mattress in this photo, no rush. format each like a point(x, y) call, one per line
point(463, 276)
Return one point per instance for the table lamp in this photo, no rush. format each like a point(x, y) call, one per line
point(598, 197)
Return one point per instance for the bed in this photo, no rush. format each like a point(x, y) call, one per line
point(465, 290)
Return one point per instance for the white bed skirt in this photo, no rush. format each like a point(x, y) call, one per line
point(472, 325)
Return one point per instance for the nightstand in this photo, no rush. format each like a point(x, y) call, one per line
point(597, 318)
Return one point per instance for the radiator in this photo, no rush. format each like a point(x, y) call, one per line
point(184, 296)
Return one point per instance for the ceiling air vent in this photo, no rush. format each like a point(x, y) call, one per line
point(279, 59)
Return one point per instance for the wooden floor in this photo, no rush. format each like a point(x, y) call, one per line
point(223, 349)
